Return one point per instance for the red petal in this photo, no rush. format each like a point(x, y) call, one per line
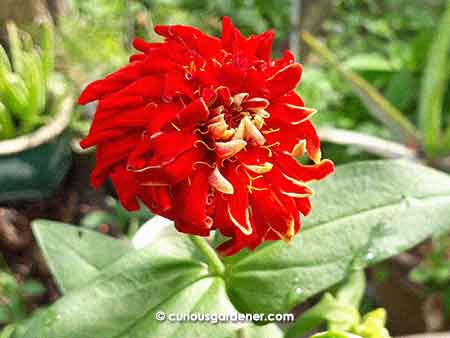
point(284, 80)
point(109, 153)
point(304, 173)
point(230, 34)
point(265, 44)
point(191, 197)
point(161, 115)
point(126, 188)
point(167, 146)
point(183, 166)
point(197, 111)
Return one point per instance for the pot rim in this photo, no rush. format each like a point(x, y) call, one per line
point(41, 135)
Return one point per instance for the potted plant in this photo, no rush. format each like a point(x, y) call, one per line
point(34, 141)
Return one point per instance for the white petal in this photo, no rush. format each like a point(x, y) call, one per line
point(152, 230)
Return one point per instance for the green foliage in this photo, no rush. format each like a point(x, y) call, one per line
point(434, 271)
point(363, 211)
point(96, 37)
point(341, 313)
point(387, 43)
point(251, 17)
point(13, 296)
point(376, 104)
point(360, 212)
point(24, 82)
point(127, 222)
point(434, 85)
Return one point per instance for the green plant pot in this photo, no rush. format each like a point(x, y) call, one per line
point(34, 165)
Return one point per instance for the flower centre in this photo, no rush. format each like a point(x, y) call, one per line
point(236, 121)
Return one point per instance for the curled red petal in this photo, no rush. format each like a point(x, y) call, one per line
point(284, 80)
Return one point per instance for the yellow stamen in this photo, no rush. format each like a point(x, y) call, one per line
point(175, 126)
point(203, 163)
point(204, 144)
point(270, 146)
point(271, 130)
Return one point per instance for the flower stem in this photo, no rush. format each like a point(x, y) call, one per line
point(215, 264)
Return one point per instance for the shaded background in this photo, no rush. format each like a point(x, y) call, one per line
point(386, 42)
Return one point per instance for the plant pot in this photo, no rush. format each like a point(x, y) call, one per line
point(34, 165)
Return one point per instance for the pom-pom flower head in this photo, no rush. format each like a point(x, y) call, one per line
point(204, 131)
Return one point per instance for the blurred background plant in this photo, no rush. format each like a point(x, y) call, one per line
point(115, 218)
point(14, 295)
point(25, 77)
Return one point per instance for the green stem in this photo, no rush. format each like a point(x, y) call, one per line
point(311, 318)
point(215, 264)
point(133, 227)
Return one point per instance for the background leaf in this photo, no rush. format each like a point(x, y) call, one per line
point(434, 85)
point(76, 255)
point(364, 213)
point(377, 105)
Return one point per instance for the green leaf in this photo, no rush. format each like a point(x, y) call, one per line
point(369, 62)
point(396, 93)
point(123, 300)
point(4, 60)
point(171, 276)
point(434, 85)
point(31, 288)
point(96, 218)
point(13, 93)
point(48, 50)
point(7, 332)
point(15, 46)
point(76, 255)
point(33, 76)
point(7, 128)
point(377, 105)
point(364, 213)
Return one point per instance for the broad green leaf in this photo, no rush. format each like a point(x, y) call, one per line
point(377, 105)
point(434, 85)
point(364, 213)
point(76, 255)
point(122, 301)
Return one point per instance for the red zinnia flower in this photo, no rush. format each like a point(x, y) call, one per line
point(204, 131)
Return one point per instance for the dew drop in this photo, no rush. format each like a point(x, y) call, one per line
point(298, 291)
